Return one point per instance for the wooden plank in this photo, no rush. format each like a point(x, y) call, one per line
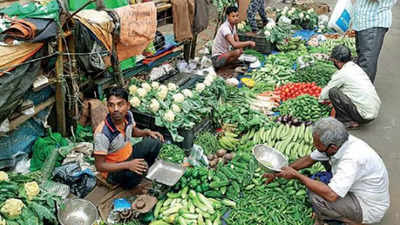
point(164, 7)
point(21, 119)
point(60, 92)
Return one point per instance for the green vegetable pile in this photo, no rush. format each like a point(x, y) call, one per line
point(304, 107)
point(319, 72)
point(172, 153)
point(208, 142)
point(280, 202)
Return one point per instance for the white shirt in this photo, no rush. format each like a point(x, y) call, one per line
point(355, 83)
point(357, 168)
point(221, 45)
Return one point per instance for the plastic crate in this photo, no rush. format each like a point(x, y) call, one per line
point(191, 83)
point(262, 44)
point(147, 121)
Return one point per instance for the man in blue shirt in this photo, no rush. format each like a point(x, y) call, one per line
point(371, 21)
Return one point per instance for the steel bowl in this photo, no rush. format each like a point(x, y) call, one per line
point(269, 158)
point(78, 212)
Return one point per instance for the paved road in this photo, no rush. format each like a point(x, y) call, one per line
point(384, 133)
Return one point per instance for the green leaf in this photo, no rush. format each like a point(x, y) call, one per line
point(42, 211)
point(29, 217)
point(10, 222)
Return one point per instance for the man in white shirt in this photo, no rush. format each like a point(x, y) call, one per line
point(350, 91)
point(359, 189)
point(227, 38)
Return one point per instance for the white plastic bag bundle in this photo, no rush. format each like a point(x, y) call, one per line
point(341, 16)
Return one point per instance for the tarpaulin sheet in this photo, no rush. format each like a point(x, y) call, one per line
point(33, 10)
point(14, 84)
point(11, 56)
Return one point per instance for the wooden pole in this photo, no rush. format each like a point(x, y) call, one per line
point(60, 91)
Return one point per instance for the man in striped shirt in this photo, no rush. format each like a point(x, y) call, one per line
point(371, 21)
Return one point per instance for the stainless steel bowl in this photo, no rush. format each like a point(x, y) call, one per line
point(269, 158)
point(78, 212)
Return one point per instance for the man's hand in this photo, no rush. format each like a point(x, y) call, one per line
point(138, 166)
point(252, 44)
point(155, 135)
point(288, 173)
point(270, 177)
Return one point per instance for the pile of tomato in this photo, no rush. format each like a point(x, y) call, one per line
point(293, 90)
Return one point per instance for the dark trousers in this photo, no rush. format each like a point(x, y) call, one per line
point(148, 150)
point(369, 44)
point(345, 109)
point(256, 6)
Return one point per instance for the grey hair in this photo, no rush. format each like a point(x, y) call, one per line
point(341, 53)
point(330, 131)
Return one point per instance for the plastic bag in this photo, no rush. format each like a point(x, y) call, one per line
point(341, 16)
point(81, 182)
point(197, 156)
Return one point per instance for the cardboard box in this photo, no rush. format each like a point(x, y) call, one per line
point(319, 7)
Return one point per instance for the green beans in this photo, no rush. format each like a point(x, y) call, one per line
point(172, 153)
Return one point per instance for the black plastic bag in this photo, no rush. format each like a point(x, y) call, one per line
point(81, 182)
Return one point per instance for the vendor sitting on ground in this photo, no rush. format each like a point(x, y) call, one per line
point(350, 91)
point(119, 162)
point(256, 6)
point(227, 38)
point(358, 191)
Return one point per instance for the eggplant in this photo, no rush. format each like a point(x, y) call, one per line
point(308, 123)
point(285, 118)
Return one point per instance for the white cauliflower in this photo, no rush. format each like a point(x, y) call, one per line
point(188, 93)
point(211, 77)
point(142, 92)
point(32, 189)
point(135, 101)
point(267, 33)
point(322, 27)
point(171, 87)
point(162, 86)
point(200, 87)
point(169, 116)
point(146, 87)
point(308, 17)
point(162, 94)
point(133, 89)
point(207, 83)
point(310, 10)
point(301, 15)
point(12, 207)
point(175, 108)
point(154, 105)
point(270, 25)
point(2, 221)
point(3, 176)
point(155, 85)
point(179, 98)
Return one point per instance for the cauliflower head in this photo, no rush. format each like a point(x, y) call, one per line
point(2, 221)
point(146, 87)
point(207, 82)
point(169, 116)
point(154, 105)
point(200, 87)
point(179, 98)
point(142, 92)
point(301, 15)
point(12, 207)
point(171, 87)
point(3, 176)
point(32, 189)
point(175, 108)
point(267, 33)
point(270, 26)
point(310, 10)
point(162, 94)
point(132, 89)
point(135, 101)
point(187, 93)
point(155, 85)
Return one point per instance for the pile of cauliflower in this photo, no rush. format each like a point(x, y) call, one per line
point(160, 93)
